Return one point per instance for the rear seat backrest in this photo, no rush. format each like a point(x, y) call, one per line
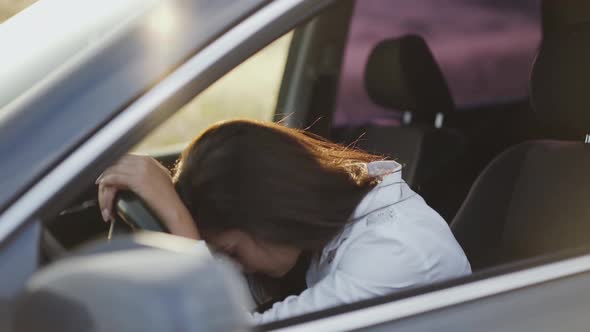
point(402, 75)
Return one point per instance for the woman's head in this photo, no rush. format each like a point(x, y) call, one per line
point(277, 187)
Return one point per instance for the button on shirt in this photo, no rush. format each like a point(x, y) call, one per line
point(393, 241)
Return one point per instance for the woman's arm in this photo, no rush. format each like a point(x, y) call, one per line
point(377, 262)
point(337, 288)
point(152, 182)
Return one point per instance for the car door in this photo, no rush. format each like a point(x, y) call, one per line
point(545, 294)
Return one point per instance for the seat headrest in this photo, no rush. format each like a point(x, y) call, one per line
point(560, 78)
point(401, 74)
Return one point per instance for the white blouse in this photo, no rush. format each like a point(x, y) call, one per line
point(393, 241)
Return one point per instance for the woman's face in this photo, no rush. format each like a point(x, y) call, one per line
point(254, 256)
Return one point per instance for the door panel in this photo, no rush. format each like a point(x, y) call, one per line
point(561, 305)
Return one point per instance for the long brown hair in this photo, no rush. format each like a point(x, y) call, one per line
point(278, 184)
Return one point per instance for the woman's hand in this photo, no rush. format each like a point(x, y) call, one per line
point(152, 182)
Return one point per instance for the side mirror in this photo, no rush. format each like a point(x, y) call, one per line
point(134, 286)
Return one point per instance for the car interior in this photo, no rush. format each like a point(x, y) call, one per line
point(528, 201)
point(508, 176)
point(402, 74)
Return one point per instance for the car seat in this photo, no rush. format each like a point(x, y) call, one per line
point(531, 199)
point(402, 75)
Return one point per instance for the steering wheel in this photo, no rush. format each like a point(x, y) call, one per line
point(129, 210)
point(133, 211)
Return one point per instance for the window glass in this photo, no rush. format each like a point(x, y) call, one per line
point(249, 91)
point(484, 47)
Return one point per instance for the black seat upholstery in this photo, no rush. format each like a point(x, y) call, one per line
point(402, 76)
point(531, 200)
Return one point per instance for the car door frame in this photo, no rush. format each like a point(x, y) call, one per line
point(310, 82)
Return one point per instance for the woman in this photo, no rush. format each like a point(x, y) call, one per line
point(265, 194)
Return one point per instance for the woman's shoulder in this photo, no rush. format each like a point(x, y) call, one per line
point(398, 244)
point(395, 237)
point(384, 254)
point(380, 258)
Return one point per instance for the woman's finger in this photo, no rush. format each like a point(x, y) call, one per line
point(126, 169)
point(131, 158)
point(101, 200)
point(122, 174)
point(108, 187)
point(108, 200)
point(134, 161)
point(119, 180)
point(141, 162)
point(126, 164)
point(105, 197)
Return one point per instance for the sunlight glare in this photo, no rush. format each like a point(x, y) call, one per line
point(164, 21)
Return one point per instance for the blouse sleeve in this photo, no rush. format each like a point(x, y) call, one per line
point(372, 266)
